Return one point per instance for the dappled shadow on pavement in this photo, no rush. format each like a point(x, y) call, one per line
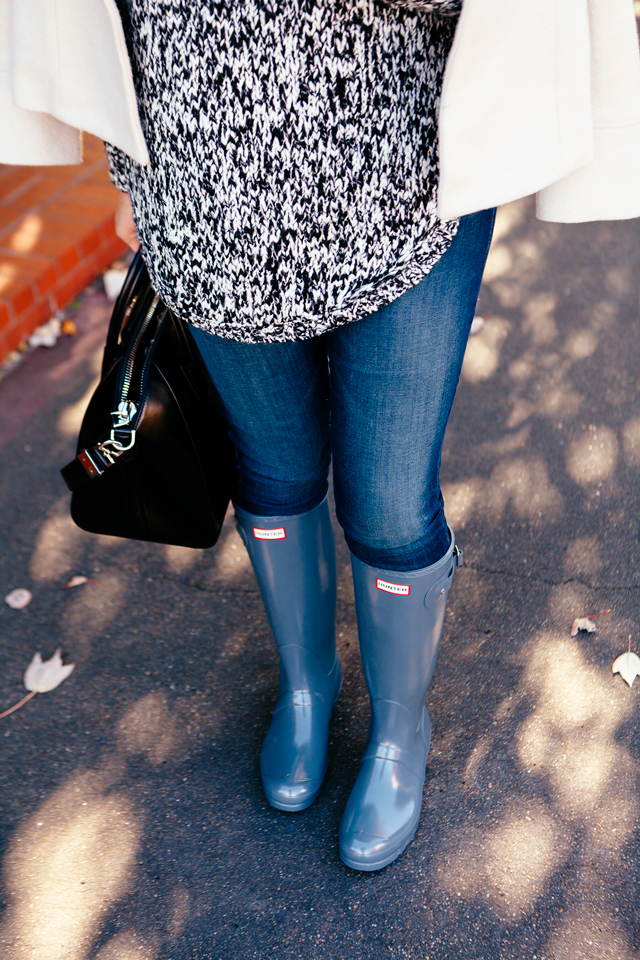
point(133, 822)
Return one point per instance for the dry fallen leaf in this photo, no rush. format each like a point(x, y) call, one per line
point(18, 599)
point(77, 581)
point(68, 328)
point(47, 334)
point(628, 666)
point(42, 676)
point(582, 623)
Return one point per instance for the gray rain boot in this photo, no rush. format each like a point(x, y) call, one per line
point(400, 618)
point(294, 561)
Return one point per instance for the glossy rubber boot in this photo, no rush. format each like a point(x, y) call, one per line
point(400, 618)
point(294, 561)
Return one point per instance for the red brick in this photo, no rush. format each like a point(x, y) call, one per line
point(10, 340)
point(85, 212)
point(62, 229)
point(93, 148)
point(39, 193)
point(85, 236)
point(22, 234)
point(90, 242)
point(24, 325)
point(17, 177)
point(17, 293)
point(108, 229)
point(110, 251)
point(39, 270)
point(6, 169)
point(59, 171)
point(14, 335)
point(100, 176)
point(71, 285)
point(50, 249)
point(95, 193)
point(4, 350)
point(64, 253)
point(8, 217)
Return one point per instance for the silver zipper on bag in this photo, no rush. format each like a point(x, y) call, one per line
point(126, 383)
point(127, 410)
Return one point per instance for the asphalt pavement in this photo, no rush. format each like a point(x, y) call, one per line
point(132, 821)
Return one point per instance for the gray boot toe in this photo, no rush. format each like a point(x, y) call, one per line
point(294, 755)
point(382, 814)
point(290, 795)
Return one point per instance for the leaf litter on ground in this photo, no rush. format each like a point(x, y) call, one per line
point(18, 599)
point(41, 677)
point(78, 580)
point(586, 623)
point(627, 665)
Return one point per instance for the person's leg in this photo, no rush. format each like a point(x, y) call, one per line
point(393, 380)
point(394, 376)
point(276, 403)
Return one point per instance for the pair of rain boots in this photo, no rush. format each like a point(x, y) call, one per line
point(400, 618)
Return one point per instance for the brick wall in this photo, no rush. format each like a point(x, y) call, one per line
point(56, 235)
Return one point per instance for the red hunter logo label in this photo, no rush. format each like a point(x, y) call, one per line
point(400, 589)
point(278, 533)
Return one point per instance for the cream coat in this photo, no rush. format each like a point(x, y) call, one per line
point(540, 96)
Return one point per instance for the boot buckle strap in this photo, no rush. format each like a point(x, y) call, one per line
point(440, 589)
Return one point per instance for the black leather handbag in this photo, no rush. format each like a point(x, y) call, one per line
point(154, 460)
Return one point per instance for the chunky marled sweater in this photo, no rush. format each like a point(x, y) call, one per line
point(294, 165)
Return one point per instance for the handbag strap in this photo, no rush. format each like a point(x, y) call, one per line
point(136, 282)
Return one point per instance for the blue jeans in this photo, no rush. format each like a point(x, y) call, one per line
point(373, 395)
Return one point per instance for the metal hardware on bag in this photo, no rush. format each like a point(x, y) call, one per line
point(128, 312)
point(89, 464)
point(105, 454)
point(124, 414)
point(458, 556)
point(116, 445)
point(96, 460)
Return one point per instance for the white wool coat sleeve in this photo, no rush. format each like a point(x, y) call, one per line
point(69, 70)
point(542, 96)
point(608, 187)
point(28, 137)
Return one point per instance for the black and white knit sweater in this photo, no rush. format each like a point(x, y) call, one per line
point(293, 145)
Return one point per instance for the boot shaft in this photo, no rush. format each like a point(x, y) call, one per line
point(294, 562)
point(400, 619)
